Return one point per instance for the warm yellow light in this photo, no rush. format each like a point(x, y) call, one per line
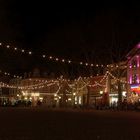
point(17, 95)
point(8, 46)
point(59, 97)
point(24, 93)
point(25, 98)
point(22, 51)
point(69, 99)
point(81, 63)
point(50, 57)
point(86, 64)
point(40, 98)
point(124, 93)
point(69, 61)
point(35, 94)
point(101, 92)
point(55, 95)
point(74, 93)
point(15, 48)
point(92, 65)
point(97, 65)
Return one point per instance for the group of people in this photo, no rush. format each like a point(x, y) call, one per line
point(123, 106)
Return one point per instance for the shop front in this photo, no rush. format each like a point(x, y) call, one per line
point(134, 93)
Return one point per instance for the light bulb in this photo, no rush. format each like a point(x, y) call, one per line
point(43, 56)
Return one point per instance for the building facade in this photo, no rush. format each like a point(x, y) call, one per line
point(133, 74)
point(97, 93)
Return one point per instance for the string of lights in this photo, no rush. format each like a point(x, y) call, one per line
point(34, 86)
point(117, 79)
point(99, 83)
point(68, 91)
point(39, 87)
point(73, 86)
point(46, 93)
point(55, 58)
point(70, 85)
point(47, 83)
point(8, 74)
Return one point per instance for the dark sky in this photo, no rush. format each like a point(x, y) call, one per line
point(89, 33)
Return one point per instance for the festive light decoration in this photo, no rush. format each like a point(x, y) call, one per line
point(56, 59)
point(99, 83)
point(26, 93)
point(34, 86)
point(30, 52)
point(117, 79)
point(42, 83)
point(8, 74)
point(39, 85)
point(68, 91)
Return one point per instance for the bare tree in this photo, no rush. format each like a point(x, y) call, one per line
point(117, 64)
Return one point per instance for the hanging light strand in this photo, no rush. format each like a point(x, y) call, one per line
point(8, 74)
point(54, 58)
point(117, 79)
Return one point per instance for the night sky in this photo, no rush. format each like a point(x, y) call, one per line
point(95, 34)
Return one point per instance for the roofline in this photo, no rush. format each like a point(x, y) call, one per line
point(134, 51)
